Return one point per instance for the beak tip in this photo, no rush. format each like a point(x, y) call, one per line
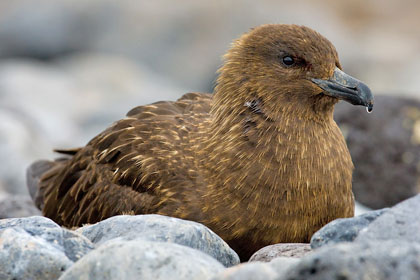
point(347, 88)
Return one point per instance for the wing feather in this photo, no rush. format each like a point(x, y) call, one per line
point(127, 168)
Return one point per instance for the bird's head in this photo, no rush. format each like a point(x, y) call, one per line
point(280, 69)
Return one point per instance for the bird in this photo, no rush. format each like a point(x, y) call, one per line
point(259, 161)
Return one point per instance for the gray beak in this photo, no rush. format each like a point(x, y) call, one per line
point(347, 88)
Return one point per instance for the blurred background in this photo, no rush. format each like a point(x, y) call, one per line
point(69, 68)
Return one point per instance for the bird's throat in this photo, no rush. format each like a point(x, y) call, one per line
point(263, 172)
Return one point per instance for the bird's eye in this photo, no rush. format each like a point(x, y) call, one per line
point(288, 60)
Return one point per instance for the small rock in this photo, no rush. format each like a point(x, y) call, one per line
point(23, 256)
point(268, 253)
point(17, 206)
point(37, 248)
point(344, 230)
point(400, 222)
point(374, 260)
point(385, 148)
point(141, 259)
point(162, 229)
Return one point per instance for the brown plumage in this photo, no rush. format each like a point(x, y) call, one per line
point(260, 161)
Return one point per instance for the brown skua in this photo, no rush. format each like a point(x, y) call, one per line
point(260, 161)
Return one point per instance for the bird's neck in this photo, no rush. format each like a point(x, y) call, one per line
point(254, 163)
point(248, 149)
point(245, 135)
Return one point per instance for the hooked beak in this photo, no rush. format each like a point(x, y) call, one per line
point(347, 88)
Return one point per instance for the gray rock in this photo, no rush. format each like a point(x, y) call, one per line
point(248, 271)
point(23, 256)
point(258, 270)
point(37, 248)
point(141, 259)
point(375, 260)
point(32, 251)
point(401, 222)
point(282, 264)
point(268, 253)
point(17, 206)
point(344, 230)
point(162, 229)
point(385, 148)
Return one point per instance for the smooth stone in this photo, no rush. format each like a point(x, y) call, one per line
point(282, 264)
point(293, 250)
point(37, 248)
point(141, 259)
point(344, 230)
point(258, 270)
point(23, 256)
point(162, 229)
point(247, 271)
point(400, 222)
point(385, 260)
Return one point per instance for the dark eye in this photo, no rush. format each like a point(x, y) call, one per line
point(288, 60)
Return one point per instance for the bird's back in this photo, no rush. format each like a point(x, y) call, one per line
point(144, 163)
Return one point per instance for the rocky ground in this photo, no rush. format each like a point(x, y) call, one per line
point(382, 244)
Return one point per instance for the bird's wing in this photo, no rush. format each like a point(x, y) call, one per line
point(128, 168)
